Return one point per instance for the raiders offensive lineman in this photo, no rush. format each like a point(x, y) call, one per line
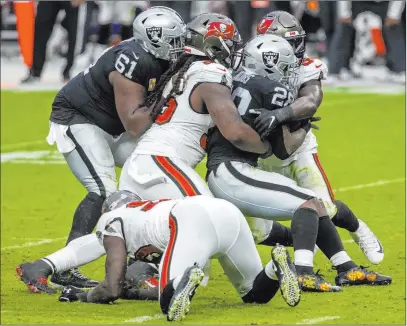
point(304, 166)
point(232, 174)
point(95, 116)
point(191, 97)
point(183, 242)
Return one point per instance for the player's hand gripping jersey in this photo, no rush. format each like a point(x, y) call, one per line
point(91, 94)
point(179, 131)
point(249, 92)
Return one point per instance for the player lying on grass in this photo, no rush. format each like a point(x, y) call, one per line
point(304, 166)
point(233, 176)
point(183, 235)
point(96, 114)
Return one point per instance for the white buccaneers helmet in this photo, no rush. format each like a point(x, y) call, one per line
point(273, 57)
point(160, 31)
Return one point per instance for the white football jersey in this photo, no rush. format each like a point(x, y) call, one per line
point(179, 131)
point(143, 225)
point(310, 69)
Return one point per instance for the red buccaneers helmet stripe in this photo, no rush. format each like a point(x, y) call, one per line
point(264, 25)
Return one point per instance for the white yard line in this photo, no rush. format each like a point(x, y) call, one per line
point(142, 319)
point(32, 244)
point(317, 320)
point(369, 185)
point(23, 144)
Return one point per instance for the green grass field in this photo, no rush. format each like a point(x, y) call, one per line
point(362, 144)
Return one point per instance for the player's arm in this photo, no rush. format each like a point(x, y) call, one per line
point(226, 117)
point(129, 99)
point(112, 287)
point(309, 99)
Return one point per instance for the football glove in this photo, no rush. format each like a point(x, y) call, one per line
point(69, 294)
point(267, 120)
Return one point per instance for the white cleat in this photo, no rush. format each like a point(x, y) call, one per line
point(181, 299)
point(368, 243)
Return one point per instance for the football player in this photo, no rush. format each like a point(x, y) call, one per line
point(304, 166)
point(183, 235)
point(191, 96)
point(232, 173)
point(95, 116)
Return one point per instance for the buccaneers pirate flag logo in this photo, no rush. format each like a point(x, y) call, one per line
point(264, 25)
point(270, 58)
point(226, 31)
point(154, 33)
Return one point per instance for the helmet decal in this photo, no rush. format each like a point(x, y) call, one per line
point(270, 58)
point(219, 29)
point(264, 25)
point(154, 34)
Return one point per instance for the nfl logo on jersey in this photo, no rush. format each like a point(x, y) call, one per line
point(154, 33)
point(270, 58)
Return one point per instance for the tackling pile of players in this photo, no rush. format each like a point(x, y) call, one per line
point(156, 104)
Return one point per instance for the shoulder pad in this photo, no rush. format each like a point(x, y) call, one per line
point(133, 65)
point(209, 72)
point(313, 69)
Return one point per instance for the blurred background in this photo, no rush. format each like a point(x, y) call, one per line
point(45, 43)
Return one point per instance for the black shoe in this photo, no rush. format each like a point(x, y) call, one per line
point(72, 277)
point(313, 282)
point(287, 275)
point(361, 276)
point(30, 80)
point(180, 301)
point(35, 277)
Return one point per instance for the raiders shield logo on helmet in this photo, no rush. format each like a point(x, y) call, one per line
point(154, 34)
point(270, 58)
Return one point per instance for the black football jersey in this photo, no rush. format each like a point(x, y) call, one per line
point(91, 94)
point(249, 92)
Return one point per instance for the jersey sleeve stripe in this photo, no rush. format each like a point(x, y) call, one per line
point(328, 185)
point(181, 180)
point(166, 260)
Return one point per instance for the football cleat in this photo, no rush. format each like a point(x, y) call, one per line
point(181, 299)
point(361, 276)
point(73, 278)
point(315, 283)
point(368, 243)
point(34, 277)
point(287, 275)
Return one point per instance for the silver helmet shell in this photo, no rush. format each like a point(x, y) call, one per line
point(273, 57)
point(160, 31)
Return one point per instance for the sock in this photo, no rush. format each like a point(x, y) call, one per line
point(304, 229)
point(45, 266)
point(344, 217)
point(279, 234)
point(176, 281)
point(263, 290)
point(165, 297)
point(330, 243)
point(86, 216)
point(342, 262)
point(77, 253)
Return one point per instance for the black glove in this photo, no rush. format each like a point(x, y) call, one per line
point(69, 294)
point(267, 121)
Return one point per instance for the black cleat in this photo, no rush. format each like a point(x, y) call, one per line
point(314, 282)
point(361, 276)
point(35, 277)
point(181, 299)
point(72, 277)
point(287, 275)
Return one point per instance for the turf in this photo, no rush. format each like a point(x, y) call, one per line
point(362, 141)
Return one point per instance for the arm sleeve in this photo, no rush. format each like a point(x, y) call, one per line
point(395, 9)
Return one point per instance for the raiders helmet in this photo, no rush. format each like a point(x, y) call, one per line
point(215, 36)
point(271, 56)
point(160, 31)
point(283, 24)
point(118, 199)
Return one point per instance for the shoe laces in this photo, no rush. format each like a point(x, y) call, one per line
point(75, 272)
point(367, 240)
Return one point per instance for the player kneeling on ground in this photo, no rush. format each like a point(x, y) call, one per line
point(183, 241)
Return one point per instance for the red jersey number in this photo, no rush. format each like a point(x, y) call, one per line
point(167, 112)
